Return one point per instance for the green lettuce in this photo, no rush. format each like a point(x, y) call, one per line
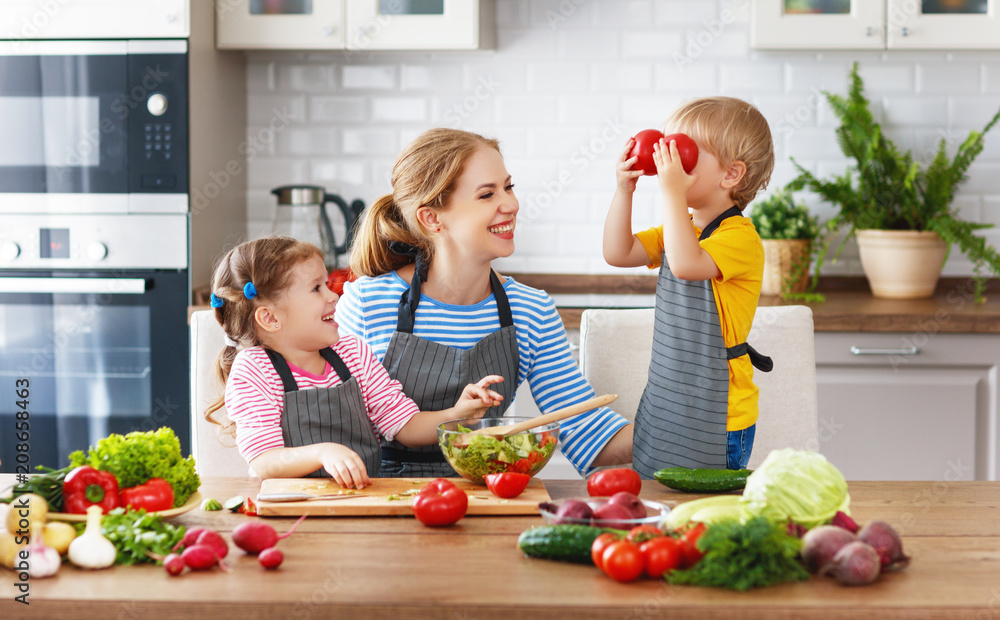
point(486, 454)
point(796, 484)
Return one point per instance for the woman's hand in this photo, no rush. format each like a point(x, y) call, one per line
point(344, 464)
point(624, 175)
point(476, 398)
point(670, 171)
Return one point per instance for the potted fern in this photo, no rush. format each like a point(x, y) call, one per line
point(888, 199)
point(787, 229)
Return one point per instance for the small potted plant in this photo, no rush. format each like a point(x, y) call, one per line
point(890, 200)
point(787, 231)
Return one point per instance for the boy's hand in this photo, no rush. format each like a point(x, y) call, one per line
point(476, 398)
point(624, 175)
point(669, 170)
point(344, 465)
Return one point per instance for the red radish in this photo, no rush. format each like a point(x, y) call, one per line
point(821, 543)
point(199, 557)
point(856, 564)
point(271, 558)
point(887, 543)
point(255, 536)
point(174, 564)
point(214, 540)
point(190, 537)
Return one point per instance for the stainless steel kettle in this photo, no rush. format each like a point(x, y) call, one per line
point(296, 217)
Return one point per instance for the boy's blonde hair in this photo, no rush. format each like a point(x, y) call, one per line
point(424, 174)
point(732, 130)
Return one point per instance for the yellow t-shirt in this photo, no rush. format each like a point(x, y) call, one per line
point(739, 254)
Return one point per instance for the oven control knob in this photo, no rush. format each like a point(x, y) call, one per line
point(157, 104)
point(9, 250)
point(97, 251)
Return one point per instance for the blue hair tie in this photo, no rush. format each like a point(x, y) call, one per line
point(249, 290)
point(216, 302)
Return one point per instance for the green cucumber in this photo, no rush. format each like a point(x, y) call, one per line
point(703, 480)
point(566, 543)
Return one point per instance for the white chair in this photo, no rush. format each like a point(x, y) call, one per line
point(213, 456)
point(615, 348)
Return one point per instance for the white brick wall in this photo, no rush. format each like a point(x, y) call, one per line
point(569, 82)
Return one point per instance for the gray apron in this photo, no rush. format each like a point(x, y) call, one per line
point(434, 375)
point(336, 414)
point(681, 419)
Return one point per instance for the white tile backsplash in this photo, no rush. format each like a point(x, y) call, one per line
point(568, 82)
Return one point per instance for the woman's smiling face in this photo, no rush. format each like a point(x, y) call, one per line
point(482, 210)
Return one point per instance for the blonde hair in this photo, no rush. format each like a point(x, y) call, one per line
point(267, 263)
point(732, 130)
point(424, 174)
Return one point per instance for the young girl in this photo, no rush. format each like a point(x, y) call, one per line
point(303, 399)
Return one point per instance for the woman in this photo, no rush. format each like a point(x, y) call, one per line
point(432, 308)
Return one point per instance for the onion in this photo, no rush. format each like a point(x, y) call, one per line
point(887, 543)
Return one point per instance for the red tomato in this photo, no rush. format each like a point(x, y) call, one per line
point(622, 561)
point(687, 149)
point(641, 533)
point(440, 503)
point(689, 545)
point(607, 482)
point(660, 555)
point(508, 484)
point(643, 149)
point(335, 281)
point(547, 438)
point(521, 466)
point(600, 544)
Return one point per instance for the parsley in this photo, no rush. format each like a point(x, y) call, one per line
point(136, 534)
point(741, 556)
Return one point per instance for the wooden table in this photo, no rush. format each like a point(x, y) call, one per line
point(397, 568)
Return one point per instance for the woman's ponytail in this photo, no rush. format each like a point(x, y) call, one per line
point(382, 224)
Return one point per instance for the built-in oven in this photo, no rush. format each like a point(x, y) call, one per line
point(94, 244)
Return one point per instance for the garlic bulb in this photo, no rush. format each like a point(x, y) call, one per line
point(91, 549)
point(42, 561)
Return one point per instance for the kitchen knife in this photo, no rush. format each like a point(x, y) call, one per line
point(301, 497)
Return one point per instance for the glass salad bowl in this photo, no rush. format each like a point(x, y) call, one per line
point(473, 455)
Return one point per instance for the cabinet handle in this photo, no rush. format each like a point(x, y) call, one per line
point(906, 351)
point(904, 31)
point(870, 31)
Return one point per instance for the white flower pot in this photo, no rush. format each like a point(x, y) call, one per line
point(901, 264)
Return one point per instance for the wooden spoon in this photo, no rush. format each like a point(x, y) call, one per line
point(548, 418)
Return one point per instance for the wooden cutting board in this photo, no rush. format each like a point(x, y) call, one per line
point(373, 501)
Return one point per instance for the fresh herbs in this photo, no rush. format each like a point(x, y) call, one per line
point(741, 556)
point(136, 534)
point(139, 456)
point(778, 216)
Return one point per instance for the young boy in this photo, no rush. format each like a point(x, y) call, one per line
point(699, 408)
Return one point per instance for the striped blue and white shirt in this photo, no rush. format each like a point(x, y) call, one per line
point(369, 309)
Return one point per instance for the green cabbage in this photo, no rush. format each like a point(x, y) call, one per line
point(795, 484)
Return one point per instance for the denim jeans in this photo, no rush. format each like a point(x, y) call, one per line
point(740, 446)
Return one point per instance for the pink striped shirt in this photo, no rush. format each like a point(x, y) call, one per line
point(255, 396)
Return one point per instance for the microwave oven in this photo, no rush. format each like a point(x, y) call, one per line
point(93, 126)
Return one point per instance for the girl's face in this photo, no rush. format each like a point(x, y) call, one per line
point(305, 310)
point(482, 212)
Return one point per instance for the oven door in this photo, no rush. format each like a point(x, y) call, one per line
point(88, 354)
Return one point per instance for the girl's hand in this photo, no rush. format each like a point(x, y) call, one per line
point(624, 175)
point(476, 398)
point(669, 170)
point(344, 464)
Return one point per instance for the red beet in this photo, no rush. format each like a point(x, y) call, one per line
point(271, 558)
point(856, 564)
point(255, 536)
point(887, 543)
point(821, 544)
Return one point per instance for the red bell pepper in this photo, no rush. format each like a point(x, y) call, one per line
point(156, 494)
point(86, 486)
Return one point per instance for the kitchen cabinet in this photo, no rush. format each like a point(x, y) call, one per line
point(920, 405)
point(95, 19)
point(361, 25)
point(875, 24)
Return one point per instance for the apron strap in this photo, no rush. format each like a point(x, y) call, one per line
point(730, 212)
point(503, 306)
point(338, 364)
point(281, 366)
point(762, 363)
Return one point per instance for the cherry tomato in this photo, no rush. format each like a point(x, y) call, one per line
point(607, 482)
point(660, 555)
point(689, 545)
point(440, 503)
point(508, 484)
point(599, 545)
point(622, 561)
point(641, 533)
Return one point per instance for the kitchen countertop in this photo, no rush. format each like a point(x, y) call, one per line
point(394, 567)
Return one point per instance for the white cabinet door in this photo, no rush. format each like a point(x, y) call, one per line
point(943, 24)
point(420, 24)
point(95, 19)
point(817, 24)
point(279, 24)
point(919, 406)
